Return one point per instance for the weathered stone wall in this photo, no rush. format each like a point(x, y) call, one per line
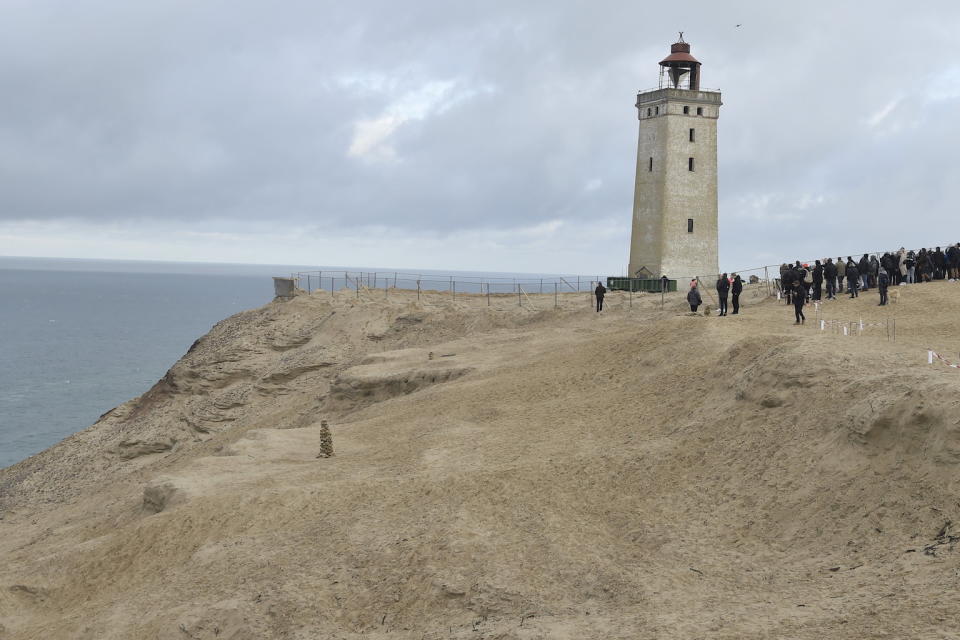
point(670, 194)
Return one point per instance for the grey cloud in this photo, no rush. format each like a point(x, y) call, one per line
point(243, 110)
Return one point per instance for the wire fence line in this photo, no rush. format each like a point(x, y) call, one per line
point(310, 281)
point(534, 293)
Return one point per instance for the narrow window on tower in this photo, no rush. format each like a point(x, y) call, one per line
point(649, 113)
point(689, 225)
point(651, 164)
point(699, 111)
point(657, 110)
point(690, 164)
point(692, 136)
point(686, 110)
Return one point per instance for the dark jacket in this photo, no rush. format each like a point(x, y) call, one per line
point(863, 267)
point(600, 290)
point(889, 262)
point(723, 287)
point(953, 256)
point(883, 280)
point(852, 271)
point(799, 295)
point(818, 273)
point(693, 296)
point(830, 271)
point(737, 286)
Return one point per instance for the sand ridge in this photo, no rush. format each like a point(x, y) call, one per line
point(639, 473)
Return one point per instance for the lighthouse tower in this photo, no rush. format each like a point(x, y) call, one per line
point(675, 195)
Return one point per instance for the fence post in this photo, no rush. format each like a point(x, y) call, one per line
point(519, 299)
point(418, 290)
point(556, 297)
point(631, 295)
point(453, 289)
point(488, 294)
point(308, 283)
point(541, 285)
point(358, 288)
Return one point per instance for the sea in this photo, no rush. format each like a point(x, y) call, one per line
point(79, 337)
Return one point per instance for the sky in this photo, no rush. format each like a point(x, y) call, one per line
point(484, 136)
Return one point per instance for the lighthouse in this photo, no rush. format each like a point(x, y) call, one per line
point(675, 194)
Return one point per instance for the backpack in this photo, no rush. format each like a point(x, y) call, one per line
point(807, 277)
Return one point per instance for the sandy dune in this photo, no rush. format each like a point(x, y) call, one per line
point(507, 472)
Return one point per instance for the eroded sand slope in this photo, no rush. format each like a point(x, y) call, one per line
point(508, 473)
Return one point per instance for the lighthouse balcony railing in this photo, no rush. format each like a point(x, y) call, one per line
point(655, 89)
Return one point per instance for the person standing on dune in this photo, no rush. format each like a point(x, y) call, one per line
point(883, 282)
point(799, 298)
point(736, 289)
point(599, 291)
point(723, 288)
point(693, 297)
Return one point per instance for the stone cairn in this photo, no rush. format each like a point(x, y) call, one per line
point(326, 441)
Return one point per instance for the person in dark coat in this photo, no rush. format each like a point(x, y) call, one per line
point(693, 297)
point(883, 281)
point(953, 261)
point(830, 276)
point(599, 292)
point(799, 298)
point(817, 280)
point(889, 264)
point(853, 279)
point(939, 264)
point(805, 277)
point(874, 271)
point(863, 268)
point(736, 290)
point(723, 289)
point(786, 282)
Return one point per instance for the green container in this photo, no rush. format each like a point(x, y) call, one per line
point(649, 285)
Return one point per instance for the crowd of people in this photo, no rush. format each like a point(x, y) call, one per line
point(802, 282)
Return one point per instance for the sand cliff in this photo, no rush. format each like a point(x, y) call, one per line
point(507, 472)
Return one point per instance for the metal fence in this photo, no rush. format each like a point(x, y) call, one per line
point(535, 293)
point(310, 281)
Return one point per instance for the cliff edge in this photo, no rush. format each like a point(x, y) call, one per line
point(509, 472)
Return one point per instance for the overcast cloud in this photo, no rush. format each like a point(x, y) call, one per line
point(453, 135)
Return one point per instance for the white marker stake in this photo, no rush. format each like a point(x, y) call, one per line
point(823, 325)
point(845, 331)
point(929, 357)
